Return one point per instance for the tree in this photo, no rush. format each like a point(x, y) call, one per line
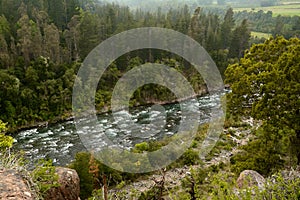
point(266, 85)
point(226, 28)
point(72, 37)
point(89, 28)
point(29, 38)
point(197, 27)
point(57, 12)
point(240, 40)
point(278, 29)
point(9, 88)
point(4, 55)
point(51, 43)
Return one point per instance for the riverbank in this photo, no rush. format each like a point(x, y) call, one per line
point(172, 179)
point(67, 116)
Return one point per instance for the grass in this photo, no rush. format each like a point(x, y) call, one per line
point(260, 35)
point(288, 9)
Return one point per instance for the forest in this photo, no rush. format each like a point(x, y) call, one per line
point(43, 44)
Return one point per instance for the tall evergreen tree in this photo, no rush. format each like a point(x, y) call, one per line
point(226, 28)
point(240, 40)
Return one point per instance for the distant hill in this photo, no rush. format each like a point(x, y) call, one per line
point(152, 5)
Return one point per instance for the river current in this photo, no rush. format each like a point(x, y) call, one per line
point(60, 142)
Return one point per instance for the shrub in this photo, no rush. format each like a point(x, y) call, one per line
point(190, 157)
point(91, 173)
point(44, 176)
point(5, 141)
point(277, 187)
point(81, 165)
point(256, 157)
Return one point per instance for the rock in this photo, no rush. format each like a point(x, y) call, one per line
point(291, 174)
point(287, 175)
point(250, 178)
point(69, 185)
point(14, 186)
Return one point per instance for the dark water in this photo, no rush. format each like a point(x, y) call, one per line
point(61, 141)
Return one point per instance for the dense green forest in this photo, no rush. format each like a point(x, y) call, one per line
point(44, 42)
point(42, 46)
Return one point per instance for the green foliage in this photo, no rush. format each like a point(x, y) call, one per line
point(90, 181)
point(190, 157)
point(264, 79)
point(153, 193)
point(141, 147)
point(193, 183)
point(12, 160)
point(263, 154)
point(265, 85)
point(279, 187)
point(81, 165)
point(44, 176)
point(42, 45)
point(5, 141)
point(223, 186)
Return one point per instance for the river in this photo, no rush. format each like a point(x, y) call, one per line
point(60, 142)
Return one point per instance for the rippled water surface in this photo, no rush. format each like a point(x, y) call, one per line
point(61, 141)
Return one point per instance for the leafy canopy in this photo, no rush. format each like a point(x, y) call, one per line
point(266, 82)
point(5, 141)
point(266, 85)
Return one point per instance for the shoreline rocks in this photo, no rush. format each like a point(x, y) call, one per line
point(68, 188)
point(14, 186)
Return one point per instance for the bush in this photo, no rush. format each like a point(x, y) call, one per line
point(222, 186)
point(91, 173)
point(5, 141)
point(44, 176)
point(81, 165)
point(263, 154)
point(190, 157)
point(258, 158)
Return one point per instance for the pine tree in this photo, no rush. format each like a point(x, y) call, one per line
point(226, 29)
point(240, 40)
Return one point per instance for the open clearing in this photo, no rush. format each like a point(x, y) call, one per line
point(260, 35)
point(287, 9)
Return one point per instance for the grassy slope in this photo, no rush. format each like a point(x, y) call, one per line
point(285, 10)
point(260, 35)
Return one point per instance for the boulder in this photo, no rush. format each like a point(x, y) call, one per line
point(250, 178)
point(69, 187)
point(14, 186)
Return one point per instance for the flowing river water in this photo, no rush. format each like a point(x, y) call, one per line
point(60, 142)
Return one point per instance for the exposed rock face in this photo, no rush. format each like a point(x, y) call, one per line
point(250, 178)
point(13, 186)
point(69, 185)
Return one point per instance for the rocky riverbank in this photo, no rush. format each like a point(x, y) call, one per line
point(173, 178)
point(18, 185)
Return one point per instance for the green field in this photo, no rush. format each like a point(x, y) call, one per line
point(260, 35)
point(287, 9)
